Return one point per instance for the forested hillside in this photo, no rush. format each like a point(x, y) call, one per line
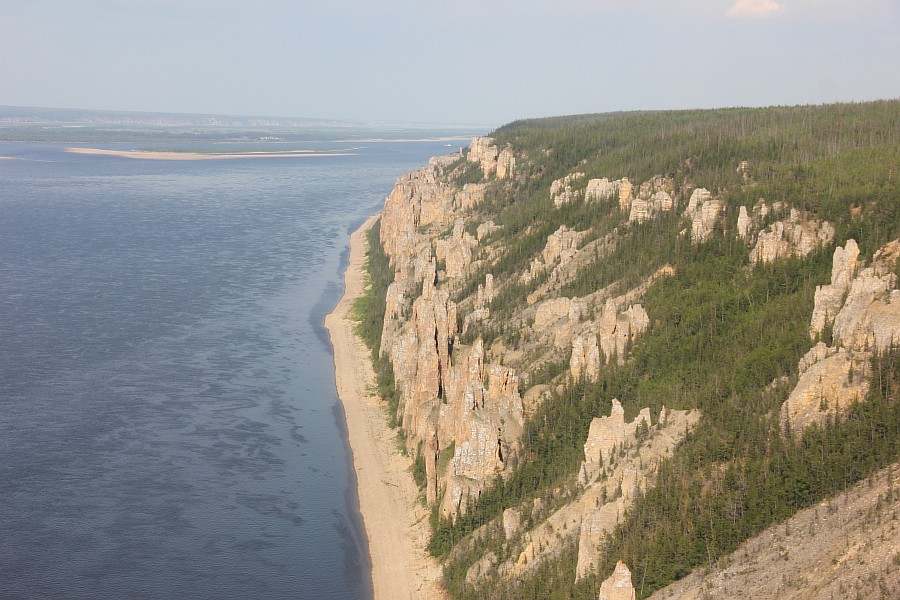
point(728, 276)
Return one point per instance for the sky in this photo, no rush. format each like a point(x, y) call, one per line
point(476, 62)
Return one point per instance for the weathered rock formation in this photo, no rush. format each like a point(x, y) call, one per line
point(644, 209)
point(600, 189)
point(482, 150)
point(626, 194)
point(469, 196)
point(743, 224)
point(620, 459)
point(483, 298)
point(609, 337)
point(703, 212)
point(551, 311)
point(863, 309)
point(585, 359)
point(456, 251)
point(493, 160)
point(486, 229)
point(462, 413)
point(618, 586)
point(795, 236)
point(506, 163)
point(451, 400)
point(561, 247)
point(562, 191)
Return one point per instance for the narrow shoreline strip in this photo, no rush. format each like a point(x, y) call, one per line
point(163, 155)
point(395, 521)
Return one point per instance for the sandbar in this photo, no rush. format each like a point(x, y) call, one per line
point(395, 521)
point(163, 155)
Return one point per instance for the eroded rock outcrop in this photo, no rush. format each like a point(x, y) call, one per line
point(620, 459)
point(486, 229)
point(482, 150)
point(551, 311)
point(506, 163)
point(597, 342)
point(452, 401)
point(585, 359)
point(626, 194)
point(600, 189)
point(562, 190)
point(830, 298)
point(484, 416)
point(863, 309)
point(617, 331)
point(797, 235)
point(493, 160)
point(645, 209)
point(618, 586)
point(561, 247)
point(456, 251)
point(703, 211)
point(744, 223)
point(461, 412)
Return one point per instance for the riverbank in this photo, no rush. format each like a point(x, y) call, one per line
point(395, 521)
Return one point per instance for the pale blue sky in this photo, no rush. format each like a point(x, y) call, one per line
point(457, 61)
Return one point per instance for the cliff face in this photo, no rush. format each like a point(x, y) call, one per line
point(620, 460)
point(862, 306)
point(571, 346)
point(460, 411)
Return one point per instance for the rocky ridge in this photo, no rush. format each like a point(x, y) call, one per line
point(862, 308)
point(459, 408)
point(466, 392)
point(462, 413)
point(620, 459)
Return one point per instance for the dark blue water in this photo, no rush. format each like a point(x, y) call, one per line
point(169, 425)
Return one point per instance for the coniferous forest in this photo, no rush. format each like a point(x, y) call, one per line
point(725, 336)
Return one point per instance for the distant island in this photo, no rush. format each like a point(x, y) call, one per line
point(28, 124)
point(173, 155)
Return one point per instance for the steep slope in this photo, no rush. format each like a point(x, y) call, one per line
point(845, 547)
point(641, 337)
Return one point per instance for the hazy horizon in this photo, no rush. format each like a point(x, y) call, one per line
point(475, 63)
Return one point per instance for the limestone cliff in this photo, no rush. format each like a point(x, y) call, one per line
point(532, 283)
point(563, 191)
point(618, 586)
point(797, 235)
point(703, 212)
point(493, 160)
point(460, 411)
point(620, 458)
point(863, 309)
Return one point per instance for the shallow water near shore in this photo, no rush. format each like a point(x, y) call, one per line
point(169, 425)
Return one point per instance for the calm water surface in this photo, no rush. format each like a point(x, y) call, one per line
point(169, 425)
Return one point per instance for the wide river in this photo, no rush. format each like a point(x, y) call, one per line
point(169, 425)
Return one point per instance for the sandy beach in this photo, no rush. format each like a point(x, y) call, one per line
point(395, 521)
point(152, 155)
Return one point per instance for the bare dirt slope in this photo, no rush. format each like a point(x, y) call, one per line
point(846, 547)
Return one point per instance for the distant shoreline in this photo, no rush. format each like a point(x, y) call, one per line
point(455, 138)
point(169, 155)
